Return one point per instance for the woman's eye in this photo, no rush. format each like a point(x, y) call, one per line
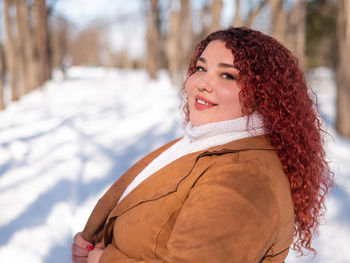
point(228, 76)
point(199, 68)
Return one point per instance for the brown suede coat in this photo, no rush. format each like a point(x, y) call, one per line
point(229, 203)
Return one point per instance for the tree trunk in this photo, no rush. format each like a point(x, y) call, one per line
point(216, 8)
point(60, 45)
point(153, 37)
point(186, 36)
point(290, 28)
point(41, 32)
point(30, 47)
point(173, 42)
point(252, 14)
point(11, 51)
point(2, 101)
point(237, 21)
point(343, 76)
point(180, 40)
point(297, 31)
point(279, 21)
point(205, 12)
point(22, 42)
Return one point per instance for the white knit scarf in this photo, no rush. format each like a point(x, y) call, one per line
point(200, 138)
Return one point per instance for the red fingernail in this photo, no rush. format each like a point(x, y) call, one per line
point(90, 247)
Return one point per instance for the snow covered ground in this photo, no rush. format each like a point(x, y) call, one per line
point(62, 146)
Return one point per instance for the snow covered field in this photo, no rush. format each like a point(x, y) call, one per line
point(62, 146)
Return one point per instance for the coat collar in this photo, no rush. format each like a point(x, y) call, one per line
point(162, 182)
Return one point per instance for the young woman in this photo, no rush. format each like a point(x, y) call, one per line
point(248, 179)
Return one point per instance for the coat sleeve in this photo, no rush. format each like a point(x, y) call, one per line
point(230, 215)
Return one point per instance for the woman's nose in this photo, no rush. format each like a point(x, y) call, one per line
point(205, 84)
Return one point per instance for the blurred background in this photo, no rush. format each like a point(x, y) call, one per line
point(39, 36)
point(88, 87)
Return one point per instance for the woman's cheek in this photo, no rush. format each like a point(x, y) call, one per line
point(189, 84)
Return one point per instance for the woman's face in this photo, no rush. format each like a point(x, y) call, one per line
point(212, 91)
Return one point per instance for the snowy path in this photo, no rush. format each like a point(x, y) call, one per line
point(61, 147)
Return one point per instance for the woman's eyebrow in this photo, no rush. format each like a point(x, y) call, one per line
point(225, 65)
point(222, 65)
point(201, 59)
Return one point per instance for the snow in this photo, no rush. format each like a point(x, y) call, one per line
point(63, 145)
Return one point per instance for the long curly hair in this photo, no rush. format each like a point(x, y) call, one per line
point(272, 84)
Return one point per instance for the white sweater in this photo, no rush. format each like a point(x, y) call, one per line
point(200, 138)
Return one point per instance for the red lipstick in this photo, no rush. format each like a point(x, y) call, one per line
point(202, 103)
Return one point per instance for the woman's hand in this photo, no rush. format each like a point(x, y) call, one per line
point(94, 255)
point(80, 249)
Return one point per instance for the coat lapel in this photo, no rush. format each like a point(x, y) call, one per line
point(164, 182)
point(159, 184)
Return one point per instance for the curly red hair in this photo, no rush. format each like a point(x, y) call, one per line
point(273, 85)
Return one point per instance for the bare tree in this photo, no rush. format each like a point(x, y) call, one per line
point(27, 59)
point(30, 48)
point(205, 16)
point(59, 43)
point(216, 8)
point(41, 32)
point(210, 16)
point(2, 67)
point(2, 102)
point(173, 41)
point(343, 76)
point(154, 40)
point(237, 20)
point(289, 27)
point(278, 20)
point(22, 44)
point(251, 17)
point(11, 50)
point(186, 35)
point(296, 36)
point(180, 39)
point(86, 46)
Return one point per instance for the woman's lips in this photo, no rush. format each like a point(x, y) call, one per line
point(203, 103)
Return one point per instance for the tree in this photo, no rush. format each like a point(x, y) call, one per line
point(86, 46)
point(180, 39)
point(186, 35)
point(153, 39)
point(41, 32)
point(27, 49)
point(216, 8)
point(343, 76)
point(289, 26)
point(297, 31)
point(11, 50)
point(59, 42)
point(278, 20)
point(210, 16)
point(321, 37)
point(2, 70)
point(21, 19)
point(173, 42)
point(252, 15)
point(29, 46)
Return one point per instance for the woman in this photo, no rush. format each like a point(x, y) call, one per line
point(248, 179)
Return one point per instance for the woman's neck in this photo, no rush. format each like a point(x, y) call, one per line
point(238, 126)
